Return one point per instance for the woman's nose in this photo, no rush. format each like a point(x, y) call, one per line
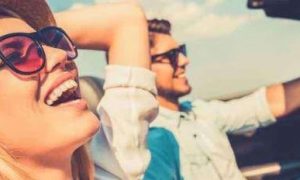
point(55, 58)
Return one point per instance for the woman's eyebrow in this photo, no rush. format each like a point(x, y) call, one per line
point(13, 44)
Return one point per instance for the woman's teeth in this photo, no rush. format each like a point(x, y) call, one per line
point(59, 91)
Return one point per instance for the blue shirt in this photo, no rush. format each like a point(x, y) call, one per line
point(164, 164)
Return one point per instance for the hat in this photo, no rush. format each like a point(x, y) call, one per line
point(35, 12)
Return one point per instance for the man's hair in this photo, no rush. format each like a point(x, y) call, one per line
point(158, 26)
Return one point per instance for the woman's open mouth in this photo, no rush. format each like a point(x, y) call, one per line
point(66, 92)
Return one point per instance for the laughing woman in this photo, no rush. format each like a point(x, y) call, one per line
point(44, 122)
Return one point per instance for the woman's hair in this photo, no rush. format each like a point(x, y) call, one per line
point(82, 167)
point(11, 169)
point(8, 13)
point(158, 26)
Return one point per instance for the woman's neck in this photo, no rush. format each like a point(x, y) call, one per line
point(48, 168)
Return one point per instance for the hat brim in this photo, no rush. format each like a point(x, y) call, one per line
point(35, 12)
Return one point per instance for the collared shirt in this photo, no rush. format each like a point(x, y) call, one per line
point(205, 151)
point(129, 104)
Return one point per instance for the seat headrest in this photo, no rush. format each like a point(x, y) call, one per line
point(91, 90)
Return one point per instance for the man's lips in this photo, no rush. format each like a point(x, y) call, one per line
point(180, 75)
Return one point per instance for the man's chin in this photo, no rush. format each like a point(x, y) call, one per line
point(184, 92)
point(173, 94)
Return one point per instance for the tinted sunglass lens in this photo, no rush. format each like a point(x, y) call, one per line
point(22, 53)
point(58, 39)
point(183, 50)
point(173, 58)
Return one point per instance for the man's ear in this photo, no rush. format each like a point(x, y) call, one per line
point(151, 39)
point(152, 51)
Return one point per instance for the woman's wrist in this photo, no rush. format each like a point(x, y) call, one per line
point(118, 28)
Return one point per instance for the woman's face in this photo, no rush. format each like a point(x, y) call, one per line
point(31, 127)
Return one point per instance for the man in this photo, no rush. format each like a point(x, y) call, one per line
point(200, 127)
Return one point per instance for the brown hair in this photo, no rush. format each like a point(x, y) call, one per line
point(8, 13)
point(82, 166)
point(158, 26)
point(10, 168)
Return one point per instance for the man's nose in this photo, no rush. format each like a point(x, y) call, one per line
point(182, 60)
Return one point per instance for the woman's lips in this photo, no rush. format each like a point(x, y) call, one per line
point(62, 92)
point(80, 104)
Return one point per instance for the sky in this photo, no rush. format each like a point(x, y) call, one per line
point(232, 50)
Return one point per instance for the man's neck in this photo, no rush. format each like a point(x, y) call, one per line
point(172, 104)
point(55, 168)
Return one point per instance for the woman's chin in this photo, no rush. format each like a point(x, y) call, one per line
point(92, 125)
point(65, 131)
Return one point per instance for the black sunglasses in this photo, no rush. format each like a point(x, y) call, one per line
point(24, 54)
point(172, 55)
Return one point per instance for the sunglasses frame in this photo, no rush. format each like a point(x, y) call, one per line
point(39, 40)
point(172, 55)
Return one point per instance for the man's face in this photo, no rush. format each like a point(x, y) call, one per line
point(171, 80)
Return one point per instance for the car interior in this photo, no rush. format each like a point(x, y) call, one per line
point(269, 153)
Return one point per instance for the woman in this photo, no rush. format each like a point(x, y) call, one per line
point(44, 122)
